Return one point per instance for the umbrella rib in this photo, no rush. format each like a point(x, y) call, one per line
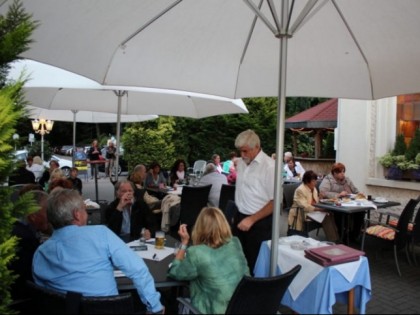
point(150, 22)
point(257, 11)
point(356, 43)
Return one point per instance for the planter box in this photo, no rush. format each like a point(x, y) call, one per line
point(394, 173)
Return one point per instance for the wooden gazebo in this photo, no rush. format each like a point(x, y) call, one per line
point(319, 119)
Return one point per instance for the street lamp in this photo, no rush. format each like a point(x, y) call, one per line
point(42, 127)
point(15, 139)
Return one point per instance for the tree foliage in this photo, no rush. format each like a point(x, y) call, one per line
point(16, 28)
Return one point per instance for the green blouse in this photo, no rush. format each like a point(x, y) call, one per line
point(213, 273)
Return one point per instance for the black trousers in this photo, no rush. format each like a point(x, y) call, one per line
point(251, 240)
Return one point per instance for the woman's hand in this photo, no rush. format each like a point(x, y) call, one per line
point(183, 233)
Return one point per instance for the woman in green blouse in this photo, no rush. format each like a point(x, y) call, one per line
point(215, 263)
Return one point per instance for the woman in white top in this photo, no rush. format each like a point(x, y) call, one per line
point(35, 166)
point(294, 169)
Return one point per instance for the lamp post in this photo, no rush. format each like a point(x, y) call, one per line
point(15, 139)
point(42, 127)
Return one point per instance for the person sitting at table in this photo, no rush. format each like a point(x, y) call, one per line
point(31, 231)
point(36, 166)
point(214, 264)
point(59, 183)
point(178, 174)
point(338, 185)
point(82, 258)
point(126, 216)
point(215, 159)
point(305, 197)
point(228, 164)
point(155, 178)
point(77, 183)
point(21, 175)
point(216, 180)
point(138, 176)
point(43, 181)
point(294, 169)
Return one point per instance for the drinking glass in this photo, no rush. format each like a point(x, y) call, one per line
point(159, 239)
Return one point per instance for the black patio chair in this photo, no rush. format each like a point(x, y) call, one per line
point(255, 295)
point(388, 236)
point(47, 301)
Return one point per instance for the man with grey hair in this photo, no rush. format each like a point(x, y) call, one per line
point(254, 195)
point(82, 258)
point(216, 180)
point(127, 215)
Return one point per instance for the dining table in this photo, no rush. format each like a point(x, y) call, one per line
point(157, 261)
point(350, 207)
point(315, 289)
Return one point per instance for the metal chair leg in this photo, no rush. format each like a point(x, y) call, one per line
point(396, 260)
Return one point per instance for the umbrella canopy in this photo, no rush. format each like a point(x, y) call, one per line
point(351, 49)
point(332, 48)
point(83, 116)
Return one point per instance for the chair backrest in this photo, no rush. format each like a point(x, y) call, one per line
point(260, 295)
point(402, 225)
point(415, 233)
point(288, 193)
point(193, 199)
point(199, 166)
point(227, 192)
point(47, 301)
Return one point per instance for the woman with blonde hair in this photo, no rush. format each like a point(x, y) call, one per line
point(214, 264)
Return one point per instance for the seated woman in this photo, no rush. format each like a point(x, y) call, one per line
point(155, 178)
point(294, 169)
point(214, 265)
point(305, 197)
point(337, 185)
point(178, 174)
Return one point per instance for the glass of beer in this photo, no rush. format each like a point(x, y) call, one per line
point(159, 239)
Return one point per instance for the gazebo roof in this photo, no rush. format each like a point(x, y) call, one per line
point(321, 116)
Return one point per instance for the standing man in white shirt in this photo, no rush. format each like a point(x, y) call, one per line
point(254, 195)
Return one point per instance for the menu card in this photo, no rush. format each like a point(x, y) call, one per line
point(333, 255)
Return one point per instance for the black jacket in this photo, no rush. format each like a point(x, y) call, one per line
point(141, 217)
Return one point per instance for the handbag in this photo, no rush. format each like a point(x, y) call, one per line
point(292, 230)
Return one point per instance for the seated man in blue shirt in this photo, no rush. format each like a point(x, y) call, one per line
point(82, 258)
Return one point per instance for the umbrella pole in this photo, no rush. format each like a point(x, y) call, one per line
point(281, 110)
point(74, 137)
point(120, 95)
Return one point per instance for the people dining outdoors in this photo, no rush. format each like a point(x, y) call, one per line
point(43, 181)
point(213, 264)
point(212, 177)
point(138, 176)
point(36, 166)
point(228, 164)
point(29, 231)
point(216, 161)
point(21, 175)
point(178, 173)
point(155, 178)
point(305, 197)
point(232, 172)
point(126, 216)
point(294, 169)
point(337, 185)
point(254, 195)
point(81, 258)
point(76, 181)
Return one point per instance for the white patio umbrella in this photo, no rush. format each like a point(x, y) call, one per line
point(53, 88)
point(329, 48)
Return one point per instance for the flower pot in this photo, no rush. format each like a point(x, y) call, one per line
point(394, 173)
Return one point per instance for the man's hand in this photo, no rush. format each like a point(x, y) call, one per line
point(246, 224)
